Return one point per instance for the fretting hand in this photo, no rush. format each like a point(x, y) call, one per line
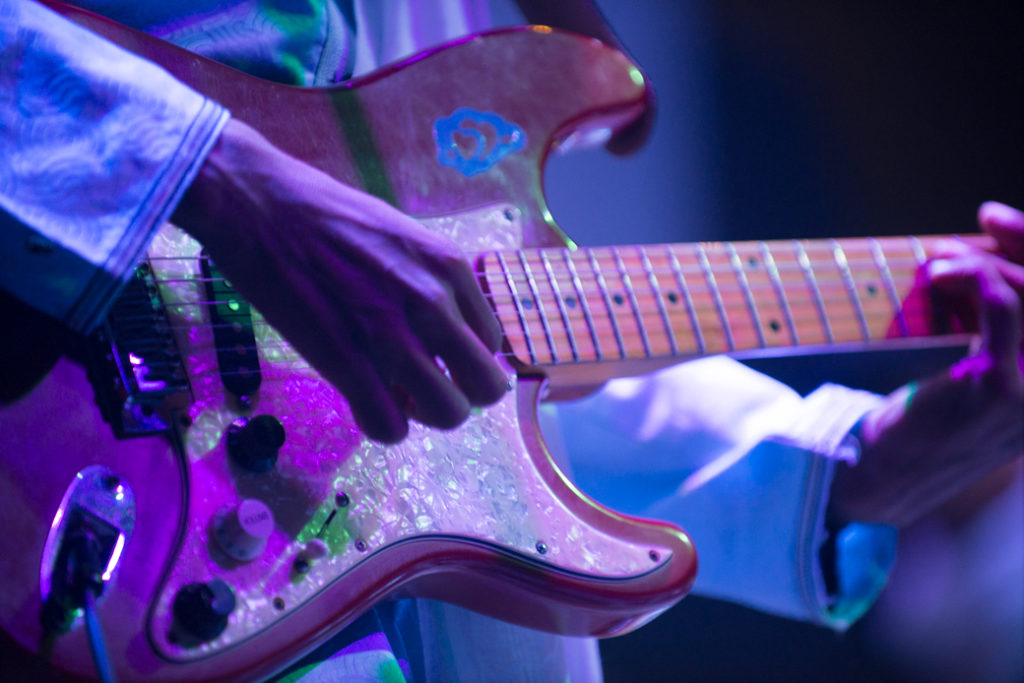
point(932, 439)
point(366, 294)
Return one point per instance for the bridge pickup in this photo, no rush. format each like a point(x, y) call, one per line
point(137, 370)
point(233, 335)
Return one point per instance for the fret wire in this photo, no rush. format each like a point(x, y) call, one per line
point(561, 304)
point(628, 284)
point(652, 281)
point(542, 314)
point(741, 278)
point(518, 306)
point(602, 286)
point(584, 303)
point(858, 306)
point(812, 283)
point(687, 299)
point(773, 274)
point(716, 295)
point(890, 287)
point(918, 250)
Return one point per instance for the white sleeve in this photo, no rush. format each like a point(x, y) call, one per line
point(96, 148)
point(744, 464)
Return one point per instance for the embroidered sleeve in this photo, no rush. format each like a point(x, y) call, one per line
point(96, 148)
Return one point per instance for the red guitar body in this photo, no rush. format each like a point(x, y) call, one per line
point(480, 516)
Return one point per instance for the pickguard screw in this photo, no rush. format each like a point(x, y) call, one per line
point(654, 556)
point(279, 604)
point(341, 500)
point(360, 545)
point(542, 547)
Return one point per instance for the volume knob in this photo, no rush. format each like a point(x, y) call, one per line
point(254, 444)
point(201, 610)
point(242, 531)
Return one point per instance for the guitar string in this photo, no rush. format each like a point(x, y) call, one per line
point(843, 295)
point(839, 294)
point(281, 352)
point(706, 313)
point(564, 278)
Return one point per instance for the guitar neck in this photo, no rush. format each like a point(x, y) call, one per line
point(639, 307)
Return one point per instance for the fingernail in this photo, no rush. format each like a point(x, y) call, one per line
point(939, 267)
point(1000, 213)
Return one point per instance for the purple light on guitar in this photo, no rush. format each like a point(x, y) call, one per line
point(140, 370)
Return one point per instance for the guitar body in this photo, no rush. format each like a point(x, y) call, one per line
point(480, 516)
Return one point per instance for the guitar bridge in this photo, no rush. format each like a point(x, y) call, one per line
point(137, 371)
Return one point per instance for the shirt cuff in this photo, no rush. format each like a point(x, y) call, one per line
point(863, 553)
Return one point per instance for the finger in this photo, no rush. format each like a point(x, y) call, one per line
point(1000, 311)
point(997, 357)
point(445, 333)
point(473, 368)
point(471, 364)
point(433, 399)
point(374, 408)
point(376, 411)
point(474, 307)
point(1012, 273)
point(952, 281)
point(1006, 225)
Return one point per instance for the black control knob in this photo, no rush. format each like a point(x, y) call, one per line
point(201, 610)
point(254, 444)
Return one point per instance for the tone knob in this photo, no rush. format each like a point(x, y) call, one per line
point(254, 444)
point(201, 610)
point(242, 531)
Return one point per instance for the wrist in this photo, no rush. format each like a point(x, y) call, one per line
point(218, 196)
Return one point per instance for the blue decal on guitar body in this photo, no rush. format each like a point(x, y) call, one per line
point(486, 139)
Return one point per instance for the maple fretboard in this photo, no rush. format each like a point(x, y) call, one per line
point(655, 302)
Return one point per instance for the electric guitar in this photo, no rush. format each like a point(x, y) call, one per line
point(240, 516)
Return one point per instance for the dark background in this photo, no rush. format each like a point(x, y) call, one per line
point(803, 118)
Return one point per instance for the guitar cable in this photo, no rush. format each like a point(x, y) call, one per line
point(77, 583)
point(97, 644)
